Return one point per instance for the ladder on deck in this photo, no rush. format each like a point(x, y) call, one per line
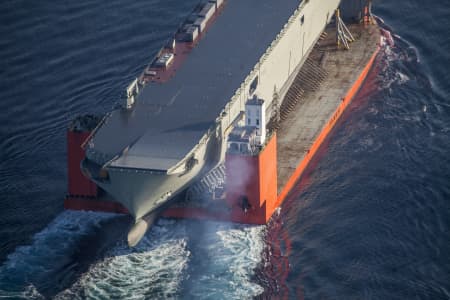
point(214, 179)
point(308, 80)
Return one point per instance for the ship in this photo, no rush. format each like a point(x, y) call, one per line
point(220, 78)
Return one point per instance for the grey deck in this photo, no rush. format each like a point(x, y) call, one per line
point(303, 125)
point(169, 119)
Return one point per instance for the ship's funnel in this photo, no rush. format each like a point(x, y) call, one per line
point(139, 229)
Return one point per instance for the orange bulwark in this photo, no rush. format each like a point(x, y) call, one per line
point(78, 184)
point(251, 187)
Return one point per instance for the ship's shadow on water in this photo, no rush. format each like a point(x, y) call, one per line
point(95, 244)
point(60, 254)
point(90, 247)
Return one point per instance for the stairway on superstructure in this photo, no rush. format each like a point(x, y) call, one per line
point(308, 80)
point(212, 181)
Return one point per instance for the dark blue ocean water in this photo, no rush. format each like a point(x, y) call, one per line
point(370, 220)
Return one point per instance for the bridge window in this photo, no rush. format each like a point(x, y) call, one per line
point(234, 147)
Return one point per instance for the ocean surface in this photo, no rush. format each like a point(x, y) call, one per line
point(369, 220)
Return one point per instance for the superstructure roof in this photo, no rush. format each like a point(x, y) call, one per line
point(169, 119)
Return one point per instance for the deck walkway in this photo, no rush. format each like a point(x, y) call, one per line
point(299, 132)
